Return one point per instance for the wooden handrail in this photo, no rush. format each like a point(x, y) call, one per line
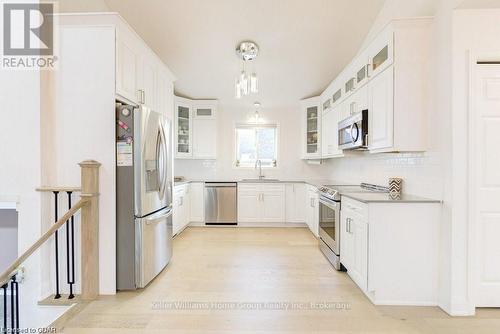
point(7, 274)
point(60, 189)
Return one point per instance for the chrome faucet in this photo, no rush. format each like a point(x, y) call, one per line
point(258, 162)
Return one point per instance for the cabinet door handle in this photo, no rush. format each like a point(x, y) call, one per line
point(142, 96)
point(181, 201)
point(262, 197)
point(347, 225)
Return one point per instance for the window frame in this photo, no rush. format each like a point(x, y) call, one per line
point(273, 125)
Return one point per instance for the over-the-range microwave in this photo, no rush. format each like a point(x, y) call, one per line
point(353, 132)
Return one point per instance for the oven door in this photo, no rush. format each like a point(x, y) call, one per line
point(329, 223)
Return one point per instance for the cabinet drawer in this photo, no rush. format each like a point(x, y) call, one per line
point(272, 188)
point(359, 208)
point(247, 187)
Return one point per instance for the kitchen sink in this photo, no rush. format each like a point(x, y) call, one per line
point(260, 180)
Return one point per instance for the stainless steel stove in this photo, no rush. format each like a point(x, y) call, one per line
point(329, 217)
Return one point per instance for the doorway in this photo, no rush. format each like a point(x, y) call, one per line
point(485, 182)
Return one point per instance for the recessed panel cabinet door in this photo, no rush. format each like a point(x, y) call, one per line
point(346, 244)
point(147, 82)
point(204, 138)
point(359, 268)
point(127, 58)
point(248, 207)
point(381, 110)
point(273, 208)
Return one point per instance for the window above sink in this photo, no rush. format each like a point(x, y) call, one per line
point(256, 142)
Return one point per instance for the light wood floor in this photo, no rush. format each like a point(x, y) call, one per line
point(259, 265)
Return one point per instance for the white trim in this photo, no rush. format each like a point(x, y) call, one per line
point(473, 270)
point(275, 125)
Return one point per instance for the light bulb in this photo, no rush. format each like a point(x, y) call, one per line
point(254, 84)
point(237, 86)
point(244, 83)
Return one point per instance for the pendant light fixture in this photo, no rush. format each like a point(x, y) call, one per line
point(246, 82)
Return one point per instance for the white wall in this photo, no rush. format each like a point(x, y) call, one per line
point(8, 237)
point(83, 126)
point(475, 37)
point(20, 164)
point(290, 165)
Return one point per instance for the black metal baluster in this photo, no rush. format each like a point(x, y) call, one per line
point(16, 284)
point(12, 315)
point(70, 270)
point(5, 310)
point(58, 295)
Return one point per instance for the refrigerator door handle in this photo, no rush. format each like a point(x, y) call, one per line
point(156, 218)
point(161, 161)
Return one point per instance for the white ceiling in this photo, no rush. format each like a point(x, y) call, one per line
point(303, 43)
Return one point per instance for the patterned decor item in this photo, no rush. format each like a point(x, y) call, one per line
point(395, 186)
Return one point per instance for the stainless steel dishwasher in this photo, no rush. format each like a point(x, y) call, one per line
point(220, 203)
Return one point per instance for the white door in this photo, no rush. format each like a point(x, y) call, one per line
point(204, 138)
point(359, 268)
point(147, 82)
point(249, 207)
point(381, 110)
point(162, 91)
point(346, 244)
point(273, 207)
point(485, 163)
point(197, 202)
point(183, 131)
point(126, 62)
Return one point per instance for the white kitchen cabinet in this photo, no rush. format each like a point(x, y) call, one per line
point(261, 203)
point(330, 134)
point(391, 250)
point(197, 202)
point(249, 206)
point(295, 202)
point(127, 58)
point(312, 210)
point(381, 111)
point(204, 138)
point(381, 52)
point(311, 128)
point(141, 77)
point(164, 94)
point(183, 132)
point(181, 207)
point(146, 80)
point(273, 206)
point(196, 129)
point(389, 78)
point(354, 244)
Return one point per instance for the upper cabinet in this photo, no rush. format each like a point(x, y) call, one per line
point(311, 128)
point(127, 58)
point(389, 79)
point(195, 129)
point(141, 77)
point(381, 51)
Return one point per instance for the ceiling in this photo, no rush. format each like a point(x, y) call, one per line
point(303, 44)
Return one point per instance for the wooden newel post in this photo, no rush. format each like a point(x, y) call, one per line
point(90, 229)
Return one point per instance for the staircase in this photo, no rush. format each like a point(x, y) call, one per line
point(11, 280)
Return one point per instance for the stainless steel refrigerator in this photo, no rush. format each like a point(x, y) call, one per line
point(143, 195)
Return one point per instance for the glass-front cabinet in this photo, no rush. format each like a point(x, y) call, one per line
point(311, 118)
point(183, 130)
point(195, 129)
point(381, 53)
